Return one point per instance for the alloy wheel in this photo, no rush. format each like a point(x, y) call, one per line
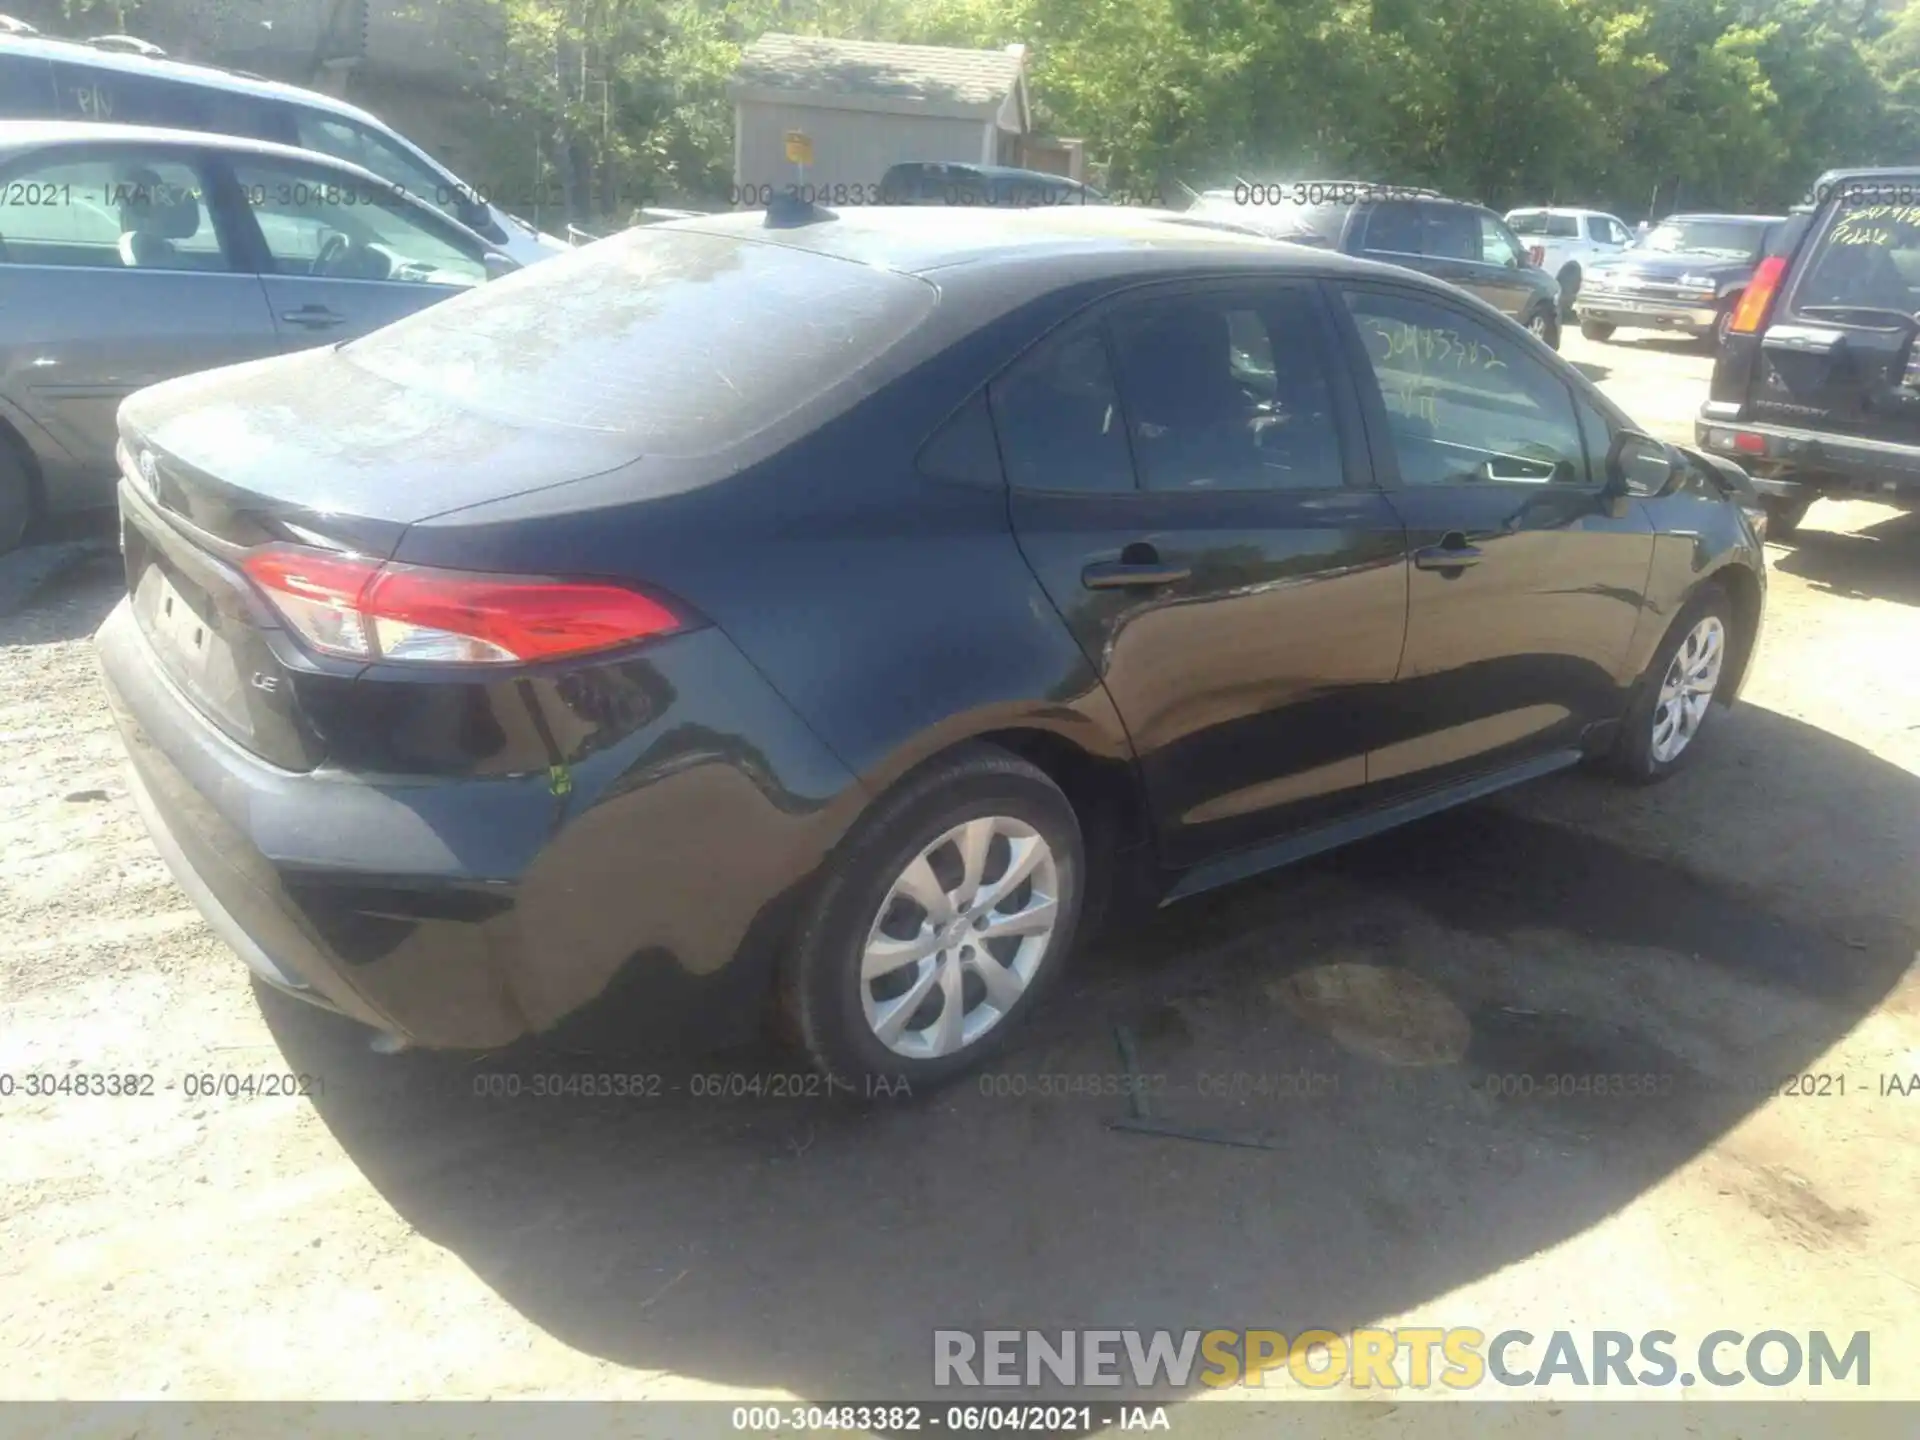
point(1687, 689)
point(962, 932)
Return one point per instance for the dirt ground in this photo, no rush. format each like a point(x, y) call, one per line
point(400, 1237)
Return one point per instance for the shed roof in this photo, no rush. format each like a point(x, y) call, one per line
point(940, 78)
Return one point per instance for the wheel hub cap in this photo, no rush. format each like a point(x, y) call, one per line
point(1687, 689)
point(959, 937)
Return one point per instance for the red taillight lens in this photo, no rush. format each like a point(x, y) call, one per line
point(1536, 255)
point(1747, 441)
point(1749, 314)
point(361, 609)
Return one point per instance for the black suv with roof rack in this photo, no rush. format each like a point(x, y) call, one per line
point(1817, 388)
point(1458, 241)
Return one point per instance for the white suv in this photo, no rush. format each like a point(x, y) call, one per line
point(45, 79)
point(1565, 242)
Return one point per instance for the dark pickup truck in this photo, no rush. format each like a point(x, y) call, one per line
point(1817, 387)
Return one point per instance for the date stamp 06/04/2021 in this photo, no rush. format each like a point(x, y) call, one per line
point(1217, 1085)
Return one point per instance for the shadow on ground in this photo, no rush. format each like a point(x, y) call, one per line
point(62, 587)
point(1880, 562)
point(815, 1246)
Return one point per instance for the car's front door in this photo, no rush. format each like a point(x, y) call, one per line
point(1526, 586)
point(340, 256)
point(114, 274)
point(1188, 482)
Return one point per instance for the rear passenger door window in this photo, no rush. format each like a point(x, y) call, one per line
point(1451, 232)
point(1394, 227)
point(1226, 391)
point(1059, 420)
point(1465, 404)
point(129, 210)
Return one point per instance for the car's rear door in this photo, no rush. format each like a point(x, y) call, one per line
point(1525, 588)
point(340, 255)
point(1188, 482)
point(114, 274)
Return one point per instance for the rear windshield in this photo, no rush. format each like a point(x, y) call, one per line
point(1867, 255)
point(687, 342)
point(1735, 239)
point(1538, 222)
point(1271, 210)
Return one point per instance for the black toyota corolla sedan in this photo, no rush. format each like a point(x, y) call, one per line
point(828, 615)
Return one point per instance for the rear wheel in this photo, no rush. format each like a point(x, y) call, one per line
point(1673, 702)
point(1569, 278)
point(946, 916)
point(1545, 325)
point(1784, 515)
point(16, 498)
point(1596, 329)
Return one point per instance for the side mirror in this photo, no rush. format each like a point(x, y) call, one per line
point(498, 264)
point(1638, 465)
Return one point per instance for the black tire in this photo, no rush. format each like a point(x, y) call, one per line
point(16, 498)
point(1784, 515)
point(820, 982)
point(1632, 758)
point(1544, 322)
point(1596, 329)
point(1569, 278)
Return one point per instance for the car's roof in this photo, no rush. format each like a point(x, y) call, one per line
point(917, 239)
point(74, 52)
point(23, 134)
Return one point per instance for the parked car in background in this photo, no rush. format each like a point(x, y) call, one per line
point(1567, 241)
point(47, 79)
point(130, 255)
point(1817, 388)
point(1452, 240)
point(940, 182)
point(849, 665)
point(1686, 273)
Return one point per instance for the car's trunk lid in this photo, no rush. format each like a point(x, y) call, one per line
point(307, 450)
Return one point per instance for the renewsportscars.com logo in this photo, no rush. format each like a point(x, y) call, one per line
point(1415, 1357)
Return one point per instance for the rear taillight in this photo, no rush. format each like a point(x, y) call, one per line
point(361, 609)
point(1749, 443)
point(1751, 312)
point(1537, 256)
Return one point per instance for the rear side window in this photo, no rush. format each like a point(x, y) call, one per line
point(1452, 232)
point(1226, 391)
point(1394, 226)
point(26, 88)
point(1059, 419)
point(86, 92)
point(684, 341)
point(1866, 255)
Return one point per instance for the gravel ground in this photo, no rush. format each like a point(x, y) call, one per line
point(399, 1237)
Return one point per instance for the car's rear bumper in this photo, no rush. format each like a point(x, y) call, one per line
point(1652, 314)
point(466, 913)
point(1790, 462)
